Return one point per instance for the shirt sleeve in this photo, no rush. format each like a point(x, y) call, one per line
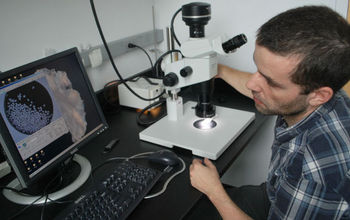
point(307, 199)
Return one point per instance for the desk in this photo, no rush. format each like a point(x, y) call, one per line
point(180, 196)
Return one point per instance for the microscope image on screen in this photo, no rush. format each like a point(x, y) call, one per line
point(41, 109)
point(25, 112)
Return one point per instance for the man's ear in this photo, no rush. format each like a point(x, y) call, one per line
point(320, 96)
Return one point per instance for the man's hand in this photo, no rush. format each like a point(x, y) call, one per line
point(204, 177)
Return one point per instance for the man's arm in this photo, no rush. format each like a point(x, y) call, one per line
point(206, 179)
point(236, 78)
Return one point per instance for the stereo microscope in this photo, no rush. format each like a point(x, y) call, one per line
point(201, 127)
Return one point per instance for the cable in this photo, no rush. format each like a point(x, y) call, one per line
point(130, 45)
point(33, 203)
point(157, 103)
point(41, 196)
point(25, 208)
point(166, 53)
point(111, 57)
point(142, 155)
point(137, 156)
point(59, 174)
point(160, 59)
point(43, 208)
point(167, 181)
point(172, 26)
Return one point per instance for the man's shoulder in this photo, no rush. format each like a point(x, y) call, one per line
point(334, 115)
point(341, 103)
point(331, 131)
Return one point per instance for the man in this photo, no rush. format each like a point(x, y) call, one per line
point(303, 60)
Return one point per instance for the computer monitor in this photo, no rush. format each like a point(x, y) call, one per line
point(48, 110)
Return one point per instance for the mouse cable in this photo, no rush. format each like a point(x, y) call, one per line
point(143, 155)
point(167, 181)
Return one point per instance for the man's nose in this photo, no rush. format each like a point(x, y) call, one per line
point(253, 83)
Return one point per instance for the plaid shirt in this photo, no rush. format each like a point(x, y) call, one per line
point(309, 173)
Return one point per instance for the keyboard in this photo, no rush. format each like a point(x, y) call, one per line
point(116, 196)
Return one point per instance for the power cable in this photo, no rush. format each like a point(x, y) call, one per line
point(111, 57)
point(172, 26)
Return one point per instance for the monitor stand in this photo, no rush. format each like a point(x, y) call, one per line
point(25, 199)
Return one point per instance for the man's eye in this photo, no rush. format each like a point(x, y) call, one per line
point(272, 83)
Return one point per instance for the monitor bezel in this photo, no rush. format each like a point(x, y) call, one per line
point(10, 147)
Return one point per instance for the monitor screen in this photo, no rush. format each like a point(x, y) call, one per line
point(47, 111)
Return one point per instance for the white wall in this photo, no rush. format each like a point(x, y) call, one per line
point(29, 27)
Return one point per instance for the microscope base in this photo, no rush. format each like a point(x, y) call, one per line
point(209, 143)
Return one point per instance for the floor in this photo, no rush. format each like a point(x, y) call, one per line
point(251, 167)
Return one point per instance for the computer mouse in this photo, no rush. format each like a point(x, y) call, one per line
point(165, 157)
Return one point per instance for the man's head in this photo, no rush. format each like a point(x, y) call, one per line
point(302, 58)
point(319, 37)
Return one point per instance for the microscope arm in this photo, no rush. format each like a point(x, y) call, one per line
point(200, 61)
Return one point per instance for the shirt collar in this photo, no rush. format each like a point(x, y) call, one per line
point(284, 133)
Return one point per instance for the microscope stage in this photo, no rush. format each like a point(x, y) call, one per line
point(210, 143)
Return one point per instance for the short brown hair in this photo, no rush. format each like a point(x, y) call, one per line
point(319, 36)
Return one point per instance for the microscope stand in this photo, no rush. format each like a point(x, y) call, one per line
point(209, 143)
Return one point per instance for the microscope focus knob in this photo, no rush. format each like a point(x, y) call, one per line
point(186, 71)
point(170, 79)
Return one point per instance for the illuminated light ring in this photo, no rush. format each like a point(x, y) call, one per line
point(205, 124)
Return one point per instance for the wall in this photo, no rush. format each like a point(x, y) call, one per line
point(31, 27)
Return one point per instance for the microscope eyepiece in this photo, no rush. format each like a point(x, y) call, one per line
point(196, 15)
point(234, 43)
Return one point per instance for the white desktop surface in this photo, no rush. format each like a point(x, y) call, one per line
point(209, 143)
